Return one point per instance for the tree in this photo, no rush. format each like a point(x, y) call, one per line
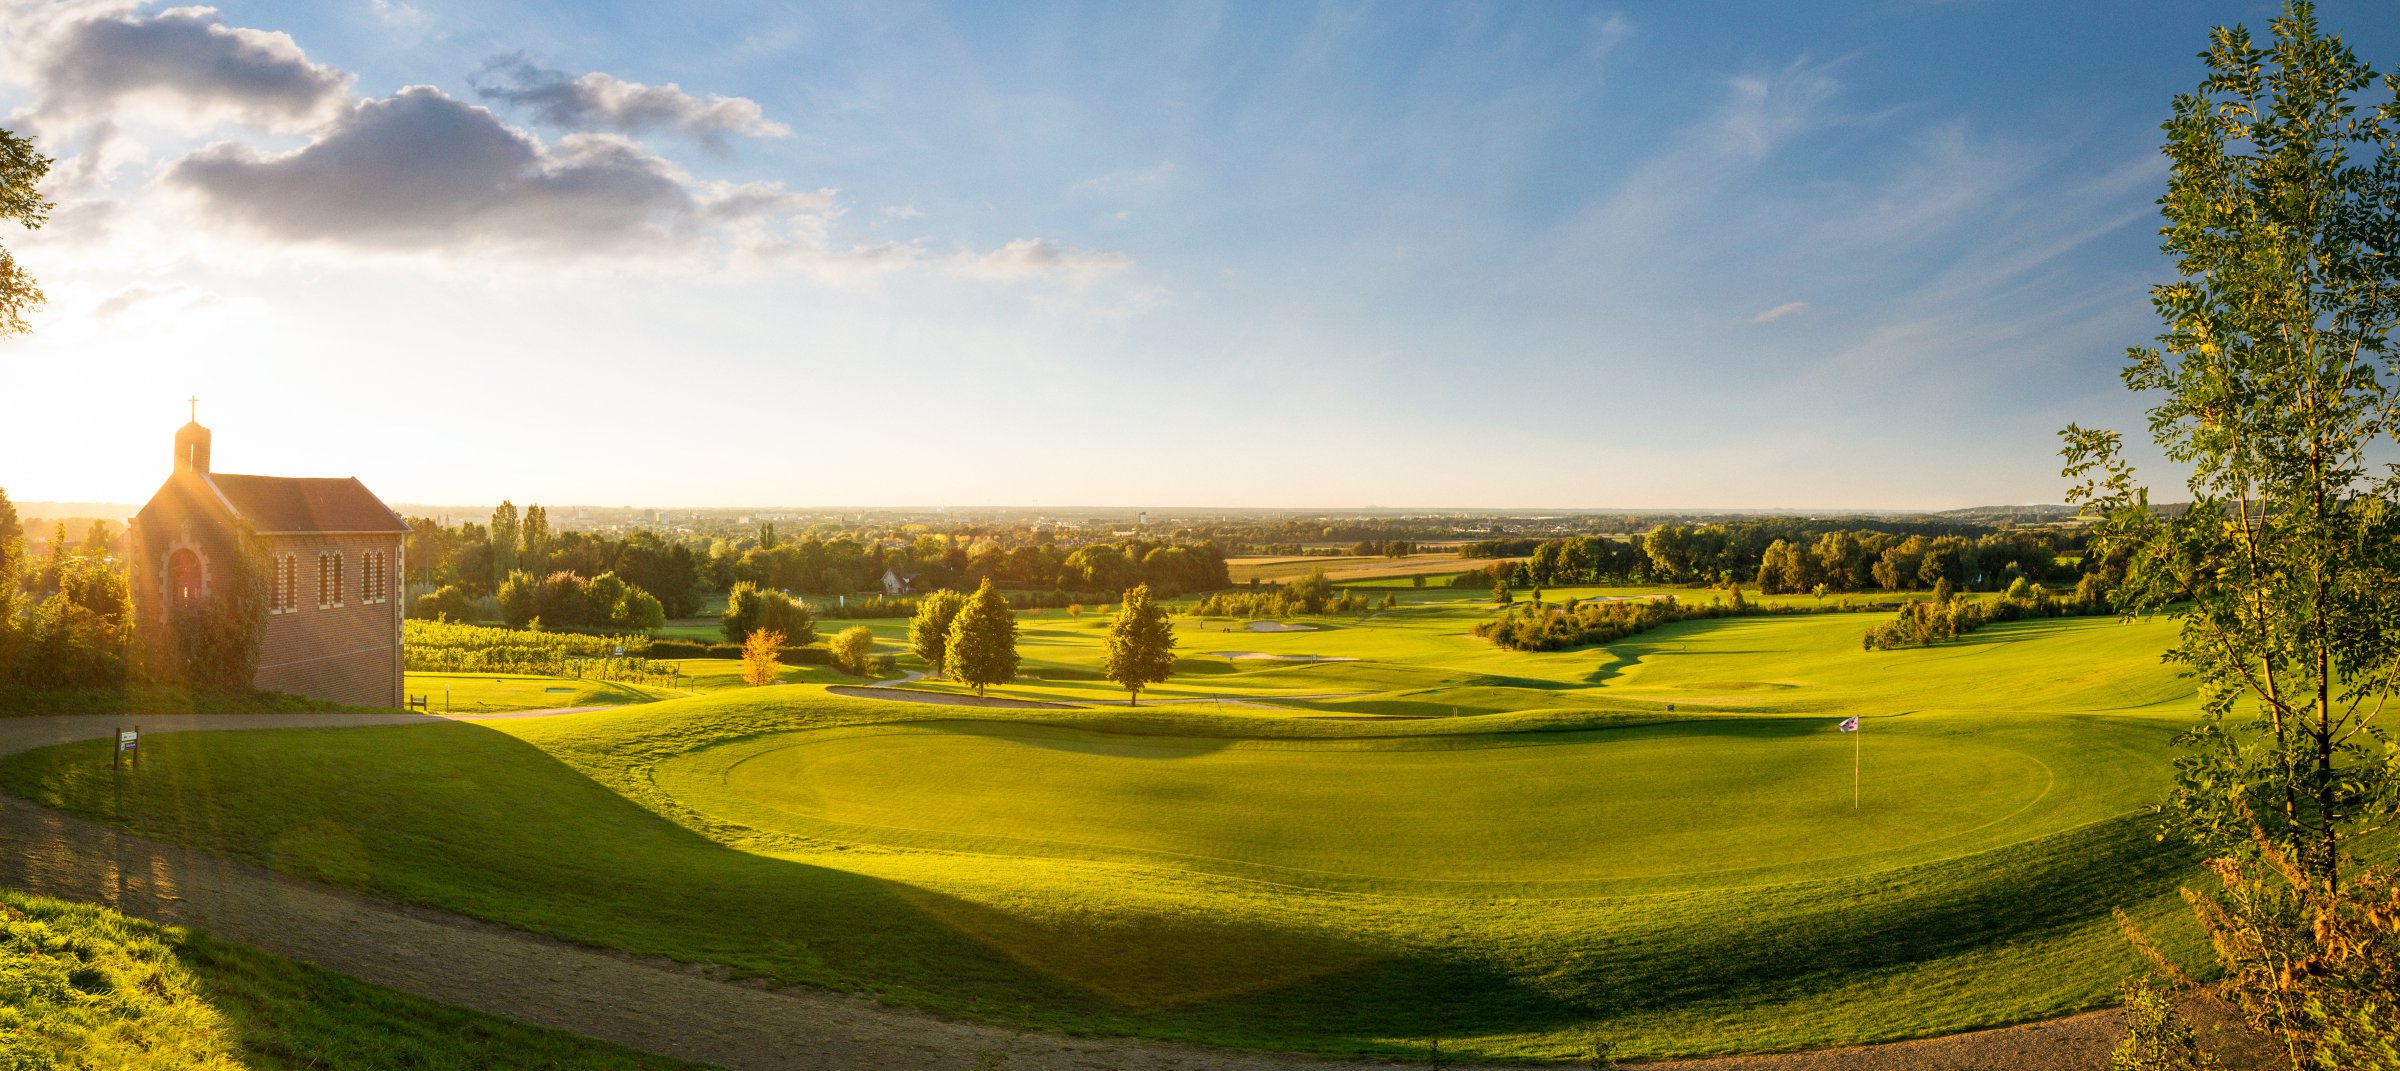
point(1141, 644)
point(854, 649)
point(1310, 593)
point(929, 630)
point(982, 650)
point(12, 570)
point(21, 172)
point(759, 651)
point(446, 603)
point(504, 543)
point(2274, 378)
point(749, 607)
point(516, 597)
point(534, 530)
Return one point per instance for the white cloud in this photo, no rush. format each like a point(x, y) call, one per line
point(1779, 312)
point(600, 102)
point(1030, 258)
point(420, 171)
point(183, 65)
point(397, 13)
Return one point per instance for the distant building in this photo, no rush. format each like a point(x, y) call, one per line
point(333, 552)
point(896, 582)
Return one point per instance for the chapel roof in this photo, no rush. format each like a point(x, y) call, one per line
point(290, 504)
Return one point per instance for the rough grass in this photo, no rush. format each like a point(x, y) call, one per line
point(83, 986)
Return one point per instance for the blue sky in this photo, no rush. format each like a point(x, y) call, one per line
point(1564, 255)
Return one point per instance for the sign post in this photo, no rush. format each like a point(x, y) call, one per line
point(129, 743)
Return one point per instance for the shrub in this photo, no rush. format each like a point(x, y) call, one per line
point(447, 603)
point(749, 608)
point(852, 650)
point(758, 656)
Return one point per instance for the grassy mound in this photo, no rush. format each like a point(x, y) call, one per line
point(83, 986)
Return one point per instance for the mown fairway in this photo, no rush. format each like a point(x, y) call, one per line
point(1238, 866)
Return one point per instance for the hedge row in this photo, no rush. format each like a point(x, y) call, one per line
point(790, 656)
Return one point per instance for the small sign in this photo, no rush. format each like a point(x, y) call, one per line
point(128, 739)
point(620, 650)
point(129, 742)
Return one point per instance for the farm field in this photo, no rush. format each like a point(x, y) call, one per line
point(1347, 834)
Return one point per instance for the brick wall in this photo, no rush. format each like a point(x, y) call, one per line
point(348, 653)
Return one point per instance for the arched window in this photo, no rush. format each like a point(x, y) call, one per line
point(374, 577)
point(329, 580)
point(286, 595)
point(187, 579)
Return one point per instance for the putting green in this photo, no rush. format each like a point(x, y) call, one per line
point(1688, 805)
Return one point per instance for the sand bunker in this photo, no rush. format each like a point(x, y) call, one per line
point(1278, 626)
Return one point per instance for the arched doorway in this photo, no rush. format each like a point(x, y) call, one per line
point(186, 579)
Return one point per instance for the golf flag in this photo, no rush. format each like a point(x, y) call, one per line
point(1850, 724)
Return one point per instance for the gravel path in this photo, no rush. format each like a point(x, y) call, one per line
point(679, 1009)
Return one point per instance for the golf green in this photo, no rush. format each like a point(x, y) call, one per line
point(1694, 804)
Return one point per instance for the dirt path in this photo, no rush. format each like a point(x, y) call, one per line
point(678, 1009)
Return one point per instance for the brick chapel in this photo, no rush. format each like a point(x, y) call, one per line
point(333, 552)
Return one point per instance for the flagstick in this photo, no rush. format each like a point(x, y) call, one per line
point(1858, 746)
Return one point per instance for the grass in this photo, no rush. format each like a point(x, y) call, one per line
point(153, 699)
point(83, 986)
point(1245, 870)
point(491, 693)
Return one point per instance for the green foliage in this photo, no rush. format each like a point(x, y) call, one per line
point(853, 650)
point(21, 171)
point(749, 608)
point(2156, 1036)
point(982, 650)
point(505, 555)
point(1532, 627)
point(2274, 379)
point(213, 646)
point(81, 635)
point(449, 647)
point(2274, 385)
point(449, 602)
point(1311, 593)
point(12, 573)
point(516, 598)
point(1141, 644)
point(929, 630)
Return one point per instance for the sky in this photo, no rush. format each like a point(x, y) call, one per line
point(1562, 255)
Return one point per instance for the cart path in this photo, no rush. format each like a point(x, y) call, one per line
point(684, 1010)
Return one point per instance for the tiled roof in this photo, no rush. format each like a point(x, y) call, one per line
point(288, 504)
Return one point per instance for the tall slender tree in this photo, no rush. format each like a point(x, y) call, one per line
point(504, 537)
point(1141, 645)
point(535, 539)
point(2274, 383)
point(982, 650)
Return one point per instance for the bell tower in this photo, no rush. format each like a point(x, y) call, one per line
point(191, 445)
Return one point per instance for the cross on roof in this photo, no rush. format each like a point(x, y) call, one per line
point(195, 400)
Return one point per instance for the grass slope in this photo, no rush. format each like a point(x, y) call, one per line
point(1584, 862)
point(83, 986)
